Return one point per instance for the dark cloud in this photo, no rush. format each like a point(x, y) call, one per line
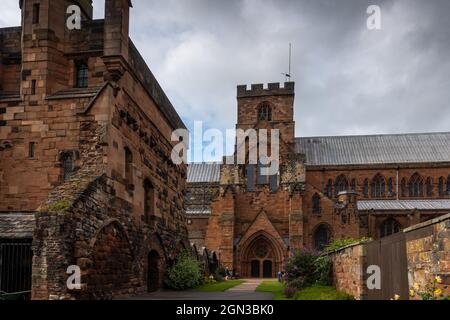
point(349, 80)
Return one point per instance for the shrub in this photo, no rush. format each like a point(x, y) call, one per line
point(301, 266)
point(342, 243)
point(322, 272)
point(220, 274)
point(186, 273)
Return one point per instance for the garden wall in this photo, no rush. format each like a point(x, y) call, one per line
point(428, 252)
point(348, 266)
point(427, 248)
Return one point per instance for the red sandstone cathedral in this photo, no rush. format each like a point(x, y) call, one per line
point(327, 188)
point(86, 177)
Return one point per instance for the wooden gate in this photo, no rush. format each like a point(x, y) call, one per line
point(390, 255)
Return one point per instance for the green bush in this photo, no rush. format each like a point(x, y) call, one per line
point(186, 273)
point(323, 270)
point(342, 243)
point(220, 274)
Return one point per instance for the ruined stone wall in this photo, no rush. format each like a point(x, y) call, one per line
point(428, 252)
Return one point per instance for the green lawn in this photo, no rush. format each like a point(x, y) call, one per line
point(219, 286)
point(274, 287)
point(312, 293)
point(321, 293)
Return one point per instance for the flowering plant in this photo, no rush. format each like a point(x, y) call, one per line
point(430, 291)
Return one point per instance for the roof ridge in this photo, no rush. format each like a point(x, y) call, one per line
point(375, 135)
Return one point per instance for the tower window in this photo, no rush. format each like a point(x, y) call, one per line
point(128, 167)
point(32, 150)
point(82, 72)
point(36, 13)
point(316, 204)
point(68, 166)
point(265, 112)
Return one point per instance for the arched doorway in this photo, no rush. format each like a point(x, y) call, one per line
point(112, 262)
point(267, 269)
point(153, 271)
point(261, 257)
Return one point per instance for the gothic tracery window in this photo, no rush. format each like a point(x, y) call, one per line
point(340, 185)
point(316, 204)
point(366, 188)
point(378, 186)
point(441, 186)
point(390, 187)
point(329, 189)
point(416, 186)
point(264, 112)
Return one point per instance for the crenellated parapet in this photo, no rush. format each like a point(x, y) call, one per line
point(273, 89)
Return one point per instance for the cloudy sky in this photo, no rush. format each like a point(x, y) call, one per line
point(349, 80)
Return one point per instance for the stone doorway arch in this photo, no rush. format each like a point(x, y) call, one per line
point(261, 257)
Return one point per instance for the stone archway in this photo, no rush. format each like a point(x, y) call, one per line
point(261, 257)
point(112, 262)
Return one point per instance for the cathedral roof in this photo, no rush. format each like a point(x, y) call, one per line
point(381, 205)
point(203, 173)
point(375, 149)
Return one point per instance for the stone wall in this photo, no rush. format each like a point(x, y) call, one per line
point(428, 252)
point(348, 266)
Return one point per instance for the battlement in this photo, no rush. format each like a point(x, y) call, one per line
point(273, 89)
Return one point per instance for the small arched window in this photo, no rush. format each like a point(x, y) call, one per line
point(448, 185)
point(416, 186)
point(82, 74)
point(389, 227)
point(68, 165)
point(316, 204)
point(128, 167)
point(366, 188)
point(322, 237)
point(441, 186)
point(378, 186)
point(404, 188)
point(430, 187)
point(264, 112)
point(329, 189)
point(390, 187)
point(149, 200)
point(340, 185)
point(353, 185)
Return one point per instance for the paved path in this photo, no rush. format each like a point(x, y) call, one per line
point(245, 291)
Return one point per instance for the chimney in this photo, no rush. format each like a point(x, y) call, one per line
point(117, 16)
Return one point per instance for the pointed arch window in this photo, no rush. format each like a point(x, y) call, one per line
point(68, 165)
point(378, 186)
point(82, 72)
point(429, 187)
point(390, 187)
point(264, 112)
point(441, 186)
point(448, 185)
point(416, 186)
point(340, 185)
point(329, 189)
point(389, 227)
point(353, 185)
point(404, 188)
point(366, 188)
point(316, 204)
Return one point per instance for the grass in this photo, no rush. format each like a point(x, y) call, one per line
point(321, 293)
point(218, 286)
point(274, 287)
point(311, 293)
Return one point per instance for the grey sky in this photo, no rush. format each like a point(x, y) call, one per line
point(349, 80)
